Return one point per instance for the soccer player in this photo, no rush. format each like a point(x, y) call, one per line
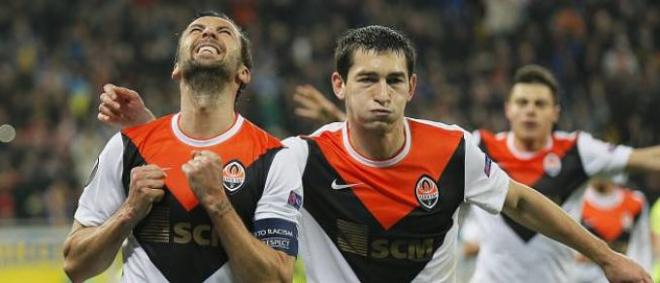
point(202, 195)
point(619, 216)
point(556, 164)
point(382, 191)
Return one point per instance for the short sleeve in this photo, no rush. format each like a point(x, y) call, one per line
point(278, 216)
point(104, 193)
point(486, 185)
point(599, 157)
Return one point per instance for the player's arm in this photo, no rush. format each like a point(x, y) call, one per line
point(122, 107)
point(313, 105)
point(528, 207)
point(647, 158)
point(88, 251)
point(249, 258)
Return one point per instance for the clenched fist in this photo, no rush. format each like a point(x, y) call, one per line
point(146, 187)
point(204, 172)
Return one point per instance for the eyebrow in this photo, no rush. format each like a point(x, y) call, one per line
point(396, 74)
point(219, 28)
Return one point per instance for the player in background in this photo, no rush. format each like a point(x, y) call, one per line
point(202, 195)
point(619, 216)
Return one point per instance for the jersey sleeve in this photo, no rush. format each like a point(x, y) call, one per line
point(104, 193)
point(486, 185)
point(277, 217)
point(599, 157)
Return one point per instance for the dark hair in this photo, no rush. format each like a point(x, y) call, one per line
point(538, 75)
point(372, 38)
point(246, 55)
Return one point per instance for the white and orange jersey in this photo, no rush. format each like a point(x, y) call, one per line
point(176, 241)
point(509, 252)
point(620, 218)
point(390, 220)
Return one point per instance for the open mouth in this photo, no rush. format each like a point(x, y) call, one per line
point(207, 48)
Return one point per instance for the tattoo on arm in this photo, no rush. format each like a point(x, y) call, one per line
point(221, 208)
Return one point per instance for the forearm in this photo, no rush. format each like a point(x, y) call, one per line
point(647, 159)
point(250, 259)
point(88, 251)
point(538, 213)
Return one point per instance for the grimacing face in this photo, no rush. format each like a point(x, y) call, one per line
point(532, 111)
point(376, 90)
point(209, 42)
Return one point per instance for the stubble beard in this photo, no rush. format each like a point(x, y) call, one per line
point(206, 81)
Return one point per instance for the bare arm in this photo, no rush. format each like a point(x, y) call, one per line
point(88, 251)
point(530, 208)
point(249, 258)
point(122, 107)
point(647, 158)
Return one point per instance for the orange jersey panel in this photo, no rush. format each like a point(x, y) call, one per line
point(610, 223)
point(388, 192)
point(158, 145)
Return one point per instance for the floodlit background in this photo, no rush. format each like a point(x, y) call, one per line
point(56, 55)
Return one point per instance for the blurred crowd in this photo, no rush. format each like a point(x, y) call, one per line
point(56, 55)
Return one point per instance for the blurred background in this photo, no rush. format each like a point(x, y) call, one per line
point(56, 55)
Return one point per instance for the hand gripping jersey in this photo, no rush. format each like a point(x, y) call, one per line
point(391, 220)
point(621, 219)
point(176, 241)
point(510, 252)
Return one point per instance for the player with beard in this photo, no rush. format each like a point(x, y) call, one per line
point(162, 190)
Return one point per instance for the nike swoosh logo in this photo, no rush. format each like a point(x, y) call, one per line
point(336, 186)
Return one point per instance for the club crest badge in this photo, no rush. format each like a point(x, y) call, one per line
point(427, 192)
point(233, 175)
point(552, 164)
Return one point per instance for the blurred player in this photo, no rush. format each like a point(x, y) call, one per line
point(619, 216)
point(162, 187)
point(382, 191)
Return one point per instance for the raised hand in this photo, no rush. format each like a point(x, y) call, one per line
point(313, 105)
point(122, 107)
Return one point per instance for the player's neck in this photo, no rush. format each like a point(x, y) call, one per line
point(530, 145)
point(206, 115)
point(377, 144)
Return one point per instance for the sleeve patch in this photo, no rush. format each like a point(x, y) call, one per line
point(278, 234)
point(295, 200)
point(487, 165)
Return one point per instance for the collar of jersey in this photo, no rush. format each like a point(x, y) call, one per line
point(378, 163)
point(207, 142)
point(525, 154)
point(603, 201)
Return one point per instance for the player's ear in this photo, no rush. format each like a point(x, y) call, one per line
point(176, 72)
point(244, 75)
point(412, 84)
point(338, 85)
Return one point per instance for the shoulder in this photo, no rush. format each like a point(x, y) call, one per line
point(259, 135)
point(328, 128)
point(421, 126)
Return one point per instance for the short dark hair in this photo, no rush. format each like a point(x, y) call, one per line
point(246, 54)
point(537, 75)
point(376, 38)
